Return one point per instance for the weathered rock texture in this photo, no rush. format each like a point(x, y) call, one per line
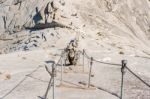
point(118, 22)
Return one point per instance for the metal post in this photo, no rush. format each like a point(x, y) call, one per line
point(51, 79)
point(61, 70)
point(91, 63)
point(48, 88)
point(124, 63)
point(83, 59)
point(53, 75)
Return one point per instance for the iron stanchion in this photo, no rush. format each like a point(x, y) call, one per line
point(48, 88)
point(53, 75)
point(83, 58)
point(91, 63)
point(61, 70)
point(124, 63)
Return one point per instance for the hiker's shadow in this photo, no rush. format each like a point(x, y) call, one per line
point(37, 17)
point(49, 61)
point(41, 97)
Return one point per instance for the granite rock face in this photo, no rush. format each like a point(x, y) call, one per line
point(121, 22)
point(18, 14)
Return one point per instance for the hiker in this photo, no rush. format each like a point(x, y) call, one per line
point(71, 51)
point(49, 12)
point(43, 37)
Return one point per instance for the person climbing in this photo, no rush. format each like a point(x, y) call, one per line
point(43, 37)
point(48, 12)
point(71, 50)
point(54, 10)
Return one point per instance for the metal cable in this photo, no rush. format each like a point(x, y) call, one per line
point(9, 92)
point(62, 53)
point(119, 65)
point(107, 63)
point(88, 57)
point(148, 85)
point(100, 61)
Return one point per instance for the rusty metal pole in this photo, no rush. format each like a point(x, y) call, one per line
point(48, 88)
point(53, 75)
point(124, 63)
point(61, 79)
point(91, 63)
point(83, 58)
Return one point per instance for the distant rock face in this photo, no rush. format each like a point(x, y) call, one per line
point(18, 14)
point(125, 22)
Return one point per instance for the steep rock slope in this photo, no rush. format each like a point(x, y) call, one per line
point(122, 22)
point(117, 22)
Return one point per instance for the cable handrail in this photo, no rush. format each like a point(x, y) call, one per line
point(62, 53)
point(133, 73)
point(20, 82)
point(144, 82)
point(84, 53)
point(88, 57)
